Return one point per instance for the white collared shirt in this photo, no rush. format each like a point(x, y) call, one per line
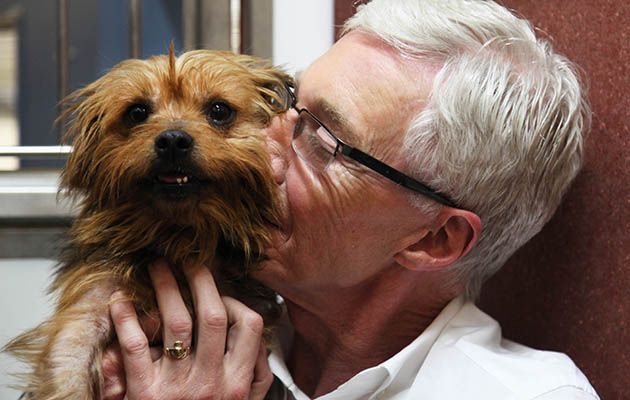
point(461, 355)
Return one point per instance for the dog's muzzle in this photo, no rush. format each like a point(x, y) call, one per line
point(174, 175)
point(173, 146)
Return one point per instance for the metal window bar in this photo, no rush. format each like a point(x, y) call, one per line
point(191, 31)
point(62, 58)
point(135, 39)
point(35, 151)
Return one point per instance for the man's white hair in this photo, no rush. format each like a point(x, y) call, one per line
point(502, 131)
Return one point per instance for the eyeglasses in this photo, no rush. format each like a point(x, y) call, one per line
point(314, 143)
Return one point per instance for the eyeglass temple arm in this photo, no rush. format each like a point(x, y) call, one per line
point(291, 98)
point(395, 175)
point(378, 166)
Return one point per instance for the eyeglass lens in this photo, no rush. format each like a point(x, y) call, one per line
point(313, 143)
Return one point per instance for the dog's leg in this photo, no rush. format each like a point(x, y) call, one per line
point(75, 354)
point(65, 351)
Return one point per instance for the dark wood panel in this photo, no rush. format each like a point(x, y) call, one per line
point(568, 289)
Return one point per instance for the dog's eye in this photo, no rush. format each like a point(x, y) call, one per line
point(220, 113)
point(137, 114)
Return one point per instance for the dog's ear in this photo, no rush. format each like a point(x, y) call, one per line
point(272, 82)
point(82, 118)
point(278, 95)
point(273, 85)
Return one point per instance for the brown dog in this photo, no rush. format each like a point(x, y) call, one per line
point(169, 161)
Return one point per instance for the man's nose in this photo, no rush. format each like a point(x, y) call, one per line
point(280, 130)
point(279, 135)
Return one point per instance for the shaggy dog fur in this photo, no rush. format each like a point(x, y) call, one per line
point(169, 161)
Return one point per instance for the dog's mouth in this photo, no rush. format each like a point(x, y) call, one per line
point(176, 184)
point(174, 178)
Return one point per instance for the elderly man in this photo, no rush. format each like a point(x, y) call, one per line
point(424, 148)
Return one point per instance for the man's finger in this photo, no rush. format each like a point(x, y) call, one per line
point(133, 343)
point(263, 377)
point(211, 316)
point(176, 319)
point(244, 338)
point(113, 373)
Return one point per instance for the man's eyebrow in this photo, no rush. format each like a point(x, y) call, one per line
point(333, 119)
point(329, 115)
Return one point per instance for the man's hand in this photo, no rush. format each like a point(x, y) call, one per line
point(228, 359)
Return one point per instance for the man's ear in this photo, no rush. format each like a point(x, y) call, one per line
point(453, 235)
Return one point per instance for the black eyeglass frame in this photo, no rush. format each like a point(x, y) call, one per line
point(374, 164)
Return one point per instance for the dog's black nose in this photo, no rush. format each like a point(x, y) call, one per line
point(173, 145)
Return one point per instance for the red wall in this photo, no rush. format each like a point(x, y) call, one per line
point(568, 289)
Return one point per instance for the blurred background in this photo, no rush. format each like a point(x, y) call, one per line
point(50, 48)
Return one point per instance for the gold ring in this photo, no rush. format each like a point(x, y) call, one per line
point(178, 351)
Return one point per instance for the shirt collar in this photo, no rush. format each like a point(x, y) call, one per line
point(393, 374)
point(404, 366)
